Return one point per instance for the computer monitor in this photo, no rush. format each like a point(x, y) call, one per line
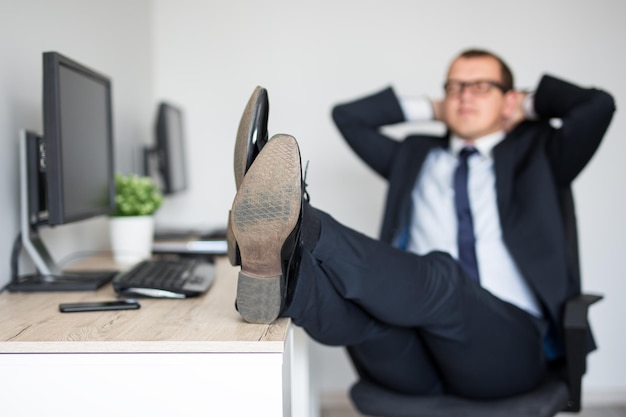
point(68, 174)
point(169, 150)
point(78, 133)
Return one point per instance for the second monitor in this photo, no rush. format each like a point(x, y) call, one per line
point(169, 151)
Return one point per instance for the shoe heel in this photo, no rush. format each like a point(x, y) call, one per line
point(259, 300)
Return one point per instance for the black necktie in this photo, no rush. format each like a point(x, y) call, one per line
point(465, 233)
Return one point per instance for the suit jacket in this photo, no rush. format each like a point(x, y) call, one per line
point(534, 167)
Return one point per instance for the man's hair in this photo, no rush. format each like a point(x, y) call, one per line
point(506, 73)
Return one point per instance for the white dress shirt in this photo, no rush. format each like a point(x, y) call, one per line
point(434, 224)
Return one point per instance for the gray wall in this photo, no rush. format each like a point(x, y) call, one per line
point(309, 55)
point(113, 37)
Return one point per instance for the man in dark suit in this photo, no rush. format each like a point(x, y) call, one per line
point(477, 252)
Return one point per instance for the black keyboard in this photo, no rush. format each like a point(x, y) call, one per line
point(166, 278)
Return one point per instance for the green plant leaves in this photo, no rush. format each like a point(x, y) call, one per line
point(136, 195)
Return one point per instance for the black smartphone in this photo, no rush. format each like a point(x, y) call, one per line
point(99, 306)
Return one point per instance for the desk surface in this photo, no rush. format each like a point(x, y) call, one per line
point(32, 323)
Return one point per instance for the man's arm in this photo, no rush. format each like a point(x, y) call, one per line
point(360, 121)
point(585, 114)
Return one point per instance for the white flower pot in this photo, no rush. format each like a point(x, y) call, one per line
point(131, 238)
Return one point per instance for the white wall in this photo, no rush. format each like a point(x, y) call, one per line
point(112, 37)
point(309, 55)
point(209, 55)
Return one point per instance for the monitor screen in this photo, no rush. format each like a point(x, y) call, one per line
point(78, 140)
point(170, 148)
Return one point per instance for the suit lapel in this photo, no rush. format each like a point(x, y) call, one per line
point(421, 148)
point(409, 165)
point(508, 155)
point(503, 161)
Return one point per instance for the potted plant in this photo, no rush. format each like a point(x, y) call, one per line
point(137, 198)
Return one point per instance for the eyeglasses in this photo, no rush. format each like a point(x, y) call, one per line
point(478, 87)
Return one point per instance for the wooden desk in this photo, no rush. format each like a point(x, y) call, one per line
point(193, 357)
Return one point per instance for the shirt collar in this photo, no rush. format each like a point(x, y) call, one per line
point(483, 145)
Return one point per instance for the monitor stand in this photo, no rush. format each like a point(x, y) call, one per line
point(49, 277)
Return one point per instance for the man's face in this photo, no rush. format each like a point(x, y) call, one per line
point(475, 110)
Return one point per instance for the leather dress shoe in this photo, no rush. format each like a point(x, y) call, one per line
point(266, 218)
point(251, 137)
point(252, 132)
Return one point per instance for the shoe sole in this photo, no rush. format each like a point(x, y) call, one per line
point(231, 244)
point(251, 120)
point(264, 213)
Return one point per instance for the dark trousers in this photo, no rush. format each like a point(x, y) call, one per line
point(415, 324)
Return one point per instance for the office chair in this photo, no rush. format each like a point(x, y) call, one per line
point(560, 390)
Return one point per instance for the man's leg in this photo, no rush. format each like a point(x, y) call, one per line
point(481, 346)
point(392, 356)
point(350, 288)
point(263, 216)
point(398, 360)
